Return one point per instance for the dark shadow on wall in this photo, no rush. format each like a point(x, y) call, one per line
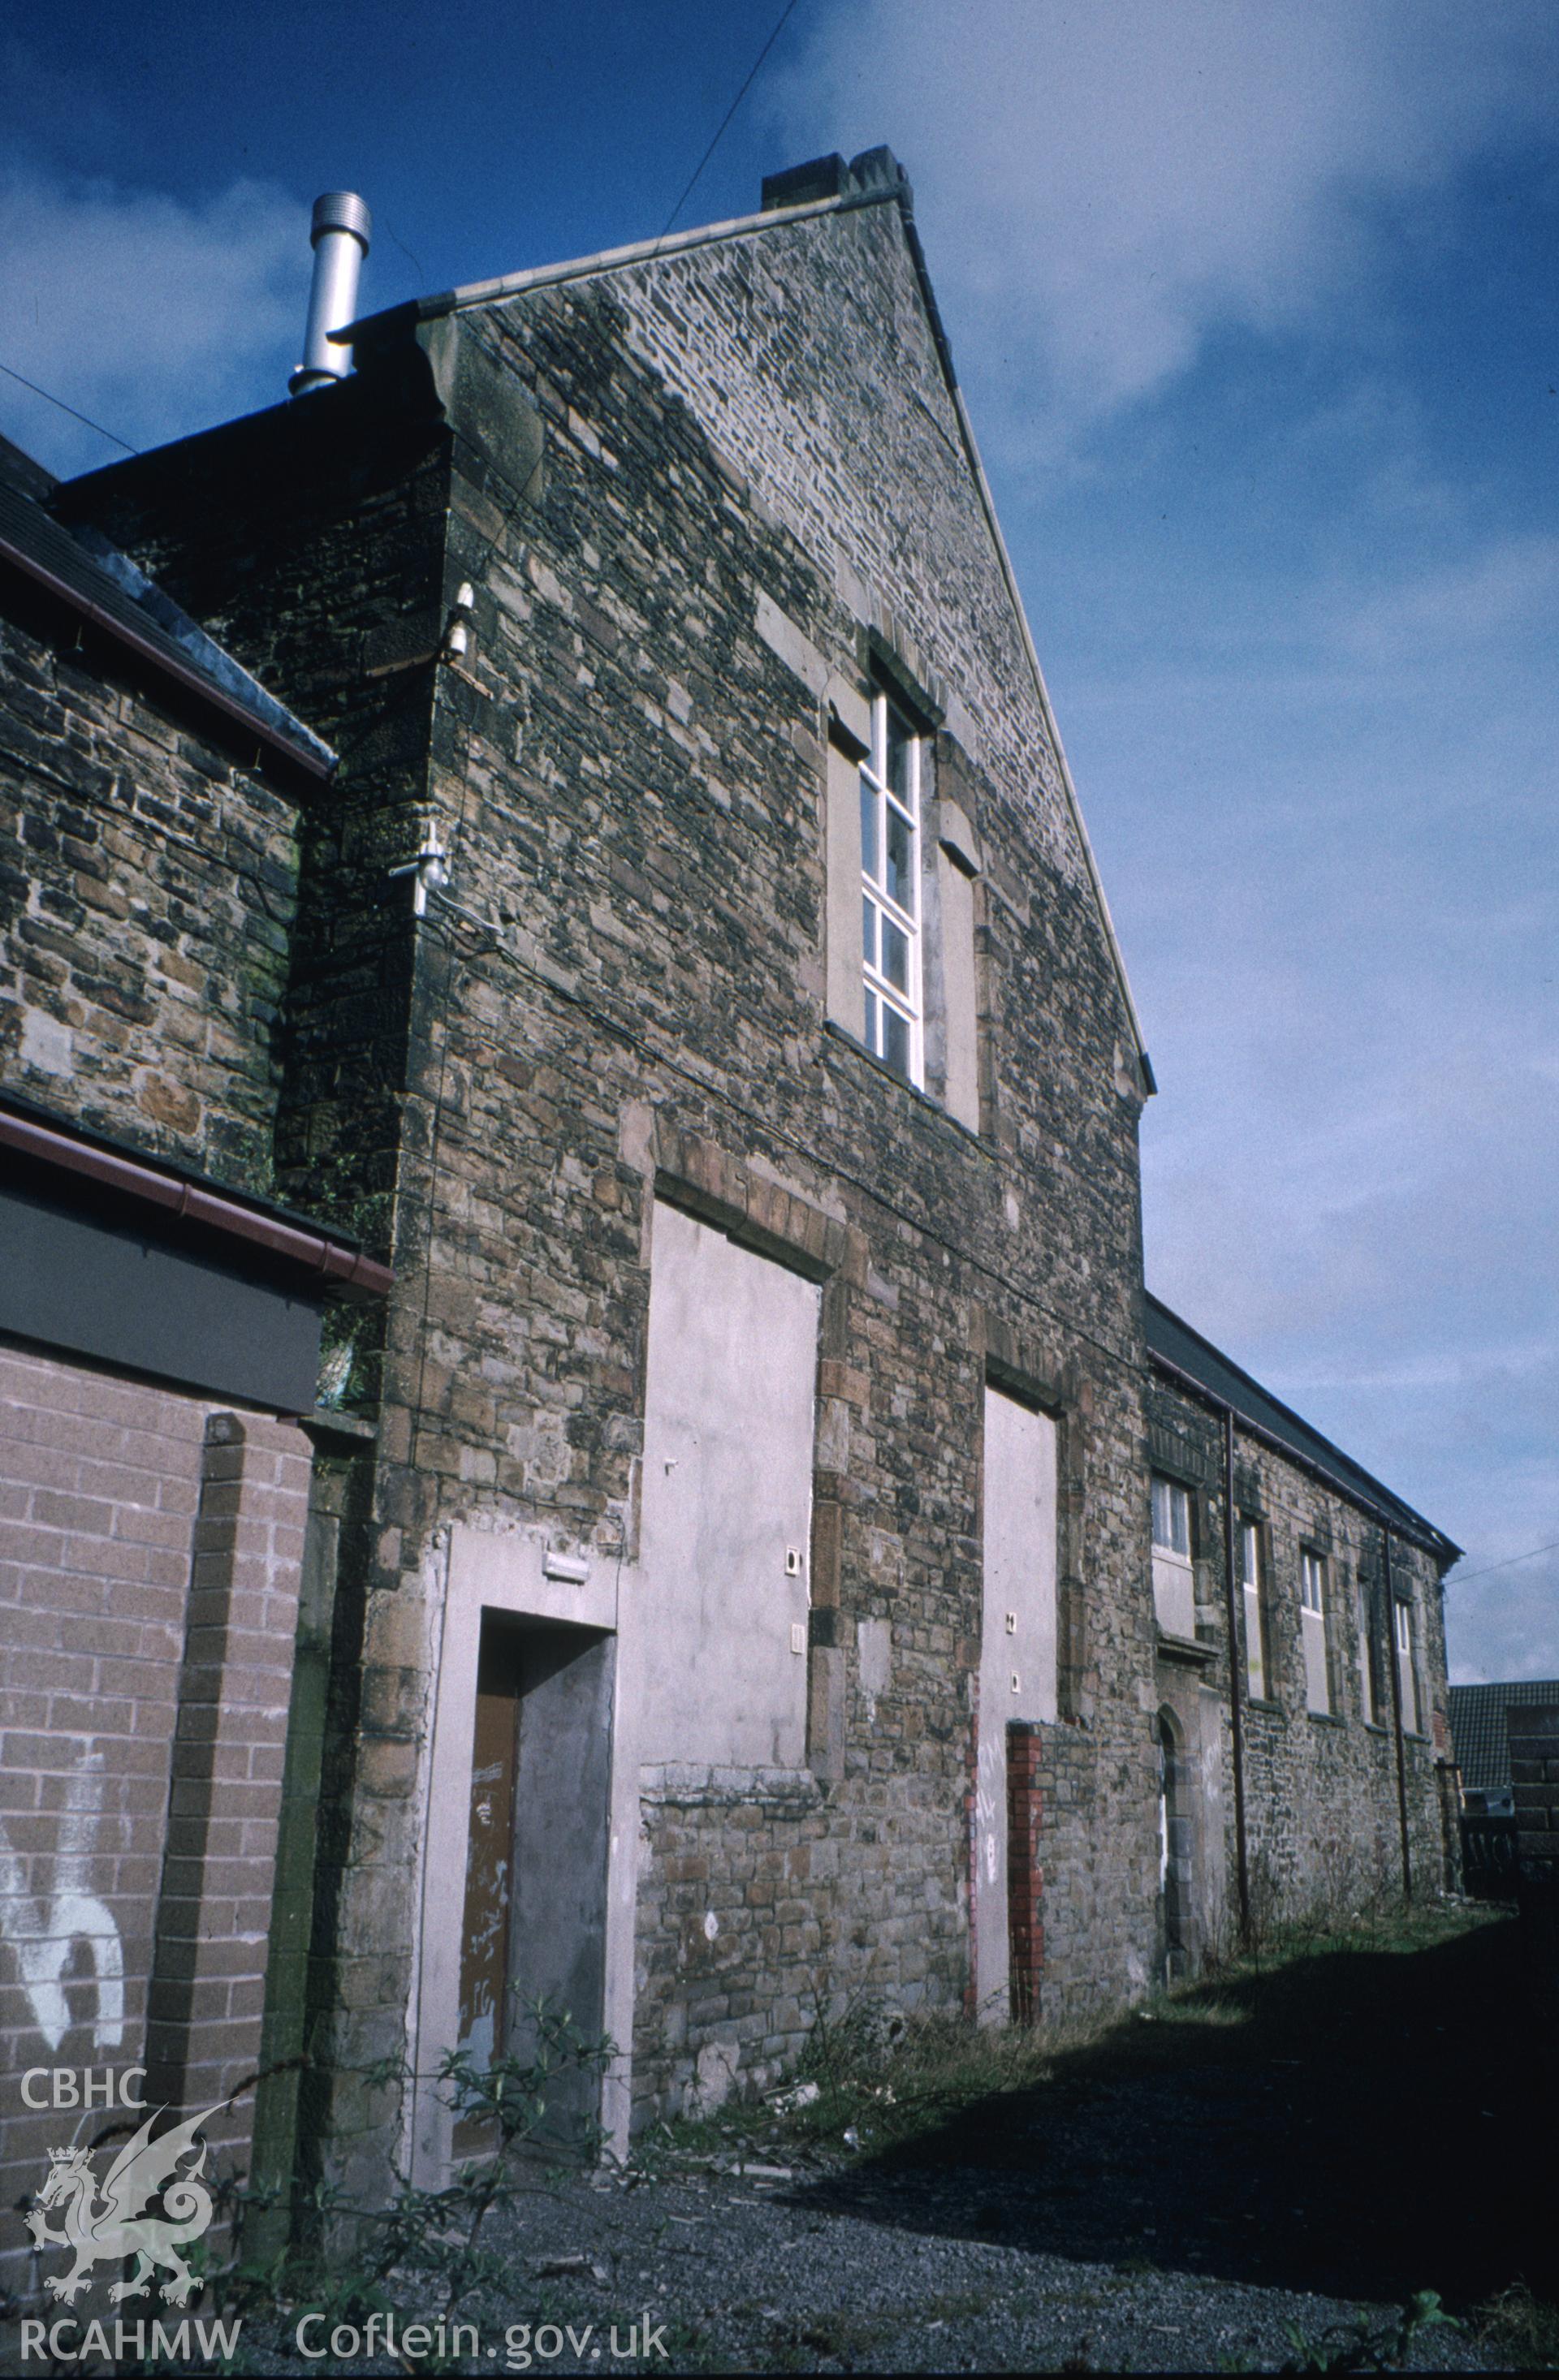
point(1360, 2124)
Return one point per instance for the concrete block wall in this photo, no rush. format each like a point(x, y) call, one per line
point(1534, 1732)
point(213, 1919)
point(147, 1597)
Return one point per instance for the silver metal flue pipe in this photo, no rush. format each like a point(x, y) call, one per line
point(340, 233)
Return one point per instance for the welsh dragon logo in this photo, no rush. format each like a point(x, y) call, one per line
point(106, 2224)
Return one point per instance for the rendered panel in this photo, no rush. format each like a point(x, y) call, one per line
point(727, 1496)
point(846, 989)
point(961, 1023)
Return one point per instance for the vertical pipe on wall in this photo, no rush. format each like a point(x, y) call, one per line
point(1236, 1719)
point(1390, 1618)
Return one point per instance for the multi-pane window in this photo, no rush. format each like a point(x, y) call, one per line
point(1171, 1518)
point(1174, 1596)
point(890, 898)
point(1407, 1669)
point(1255, 1613)
point(1313, 1630)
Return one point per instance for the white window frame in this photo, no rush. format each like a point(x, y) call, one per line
point(882, 917)
point(1175, 1593)
point(1313, 1631)
point(1171, 1518)
point(1255, 1612)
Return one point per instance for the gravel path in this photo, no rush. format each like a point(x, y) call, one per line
point(749, 2274)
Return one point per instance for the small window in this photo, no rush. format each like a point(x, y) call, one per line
point(1171, 1518)
point(1313, 1630)
point(1255, 1610)
point(890, 901)
point(1174, 1594)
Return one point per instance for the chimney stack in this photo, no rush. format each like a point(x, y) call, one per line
point(339, 234)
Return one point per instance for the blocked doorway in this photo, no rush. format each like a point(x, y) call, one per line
point(533, 1928)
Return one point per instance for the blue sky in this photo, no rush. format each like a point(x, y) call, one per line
point(1256, 310)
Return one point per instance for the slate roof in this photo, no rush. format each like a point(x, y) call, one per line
point(1477, 1731)
point(80, 568)
point(1174, 1342)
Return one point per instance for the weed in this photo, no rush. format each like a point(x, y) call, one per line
point(425, 2245)
point(1522, 2329)
point(1363, 2347)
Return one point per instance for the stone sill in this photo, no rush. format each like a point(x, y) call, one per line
point(337, 1422)
point(1327, 1718)
point(845, 1039)
point(698, 1785)
point(1185, 1648)
point(1264, 1704)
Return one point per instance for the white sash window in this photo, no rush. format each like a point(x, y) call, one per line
point(890, 898)
point(1175, 1593)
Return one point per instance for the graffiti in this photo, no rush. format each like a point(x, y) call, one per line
point(42, 1932)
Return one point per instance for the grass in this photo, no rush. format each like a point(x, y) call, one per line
point(890, 2081)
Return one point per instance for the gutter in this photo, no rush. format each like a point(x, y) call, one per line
point(296, 756)
point(341, 1270)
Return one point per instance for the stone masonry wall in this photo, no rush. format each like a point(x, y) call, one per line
point(660, 842)
point(309, 541)
point(147, 892)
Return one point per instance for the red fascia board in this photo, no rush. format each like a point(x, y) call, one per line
point(296, 756)
point(312, 1251)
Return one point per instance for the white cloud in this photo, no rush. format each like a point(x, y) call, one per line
point(1508, 585)
point(151, 316)
point(1105, 185)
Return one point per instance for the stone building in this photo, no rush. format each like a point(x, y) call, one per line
point(1327, 1780)
point(690, 981)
